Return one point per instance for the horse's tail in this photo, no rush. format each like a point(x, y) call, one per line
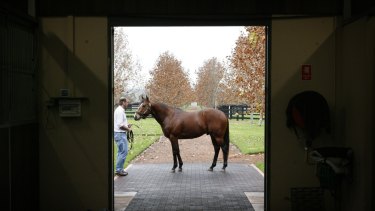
point(225, 147)
point(226, 136)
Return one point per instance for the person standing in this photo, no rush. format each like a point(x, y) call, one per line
point(121, 127)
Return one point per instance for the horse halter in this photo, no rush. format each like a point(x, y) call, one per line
point(146, 112)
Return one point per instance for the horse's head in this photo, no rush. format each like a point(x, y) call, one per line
point(143, 110)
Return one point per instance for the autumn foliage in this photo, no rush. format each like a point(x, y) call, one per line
point(248, 63)
point(123, 67)
point(207, 87)
point(169, 82)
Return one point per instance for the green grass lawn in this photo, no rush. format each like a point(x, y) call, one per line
point(249, 138)
point(260, 166)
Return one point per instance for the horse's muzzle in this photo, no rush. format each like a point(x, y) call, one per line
point(137, 117)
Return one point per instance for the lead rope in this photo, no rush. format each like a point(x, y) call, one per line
point(130, 136)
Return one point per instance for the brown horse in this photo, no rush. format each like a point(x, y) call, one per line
point(177, 124)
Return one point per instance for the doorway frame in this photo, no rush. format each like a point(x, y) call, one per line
point(189, 21)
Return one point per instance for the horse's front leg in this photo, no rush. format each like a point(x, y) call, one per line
point(176, 154)
point(180, 163)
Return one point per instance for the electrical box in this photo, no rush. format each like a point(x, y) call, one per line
point(70, 107)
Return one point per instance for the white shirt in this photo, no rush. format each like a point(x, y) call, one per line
point(120, 119)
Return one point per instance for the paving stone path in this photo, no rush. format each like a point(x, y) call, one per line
point(150, 184)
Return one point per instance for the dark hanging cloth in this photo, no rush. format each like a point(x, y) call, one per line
point(309, 112)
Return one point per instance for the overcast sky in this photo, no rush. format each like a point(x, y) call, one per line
point(191, 45)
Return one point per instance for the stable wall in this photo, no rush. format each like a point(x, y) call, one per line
point(342, 56)
point(74, 154)
point(295, 42)
point(73, 160)
point(355, 108)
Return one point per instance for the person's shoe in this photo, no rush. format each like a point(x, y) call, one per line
point(121, 173)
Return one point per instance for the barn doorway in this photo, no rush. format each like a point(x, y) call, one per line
point(230, 77)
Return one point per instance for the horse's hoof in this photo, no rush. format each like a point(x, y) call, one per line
point(210, 169)
point(180, 169)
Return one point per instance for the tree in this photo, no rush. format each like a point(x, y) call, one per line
point(248, 64)
point(228, 89)
point(207, 87)
point(136, 85)
point(169, 82)
point(124, 66)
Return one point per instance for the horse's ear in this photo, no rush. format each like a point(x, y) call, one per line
point(147, 98)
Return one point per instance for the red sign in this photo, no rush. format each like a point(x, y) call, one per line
point(306, 72)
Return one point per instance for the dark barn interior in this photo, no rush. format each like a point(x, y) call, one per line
point(52, 163)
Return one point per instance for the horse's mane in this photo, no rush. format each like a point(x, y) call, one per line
point(178, 109)
point(165, 106)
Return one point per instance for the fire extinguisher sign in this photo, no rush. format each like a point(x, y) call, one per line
point(306, 72)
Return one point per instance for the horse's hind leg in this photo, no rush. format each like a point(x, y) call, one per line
point(225, 149)
point(217, 149)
